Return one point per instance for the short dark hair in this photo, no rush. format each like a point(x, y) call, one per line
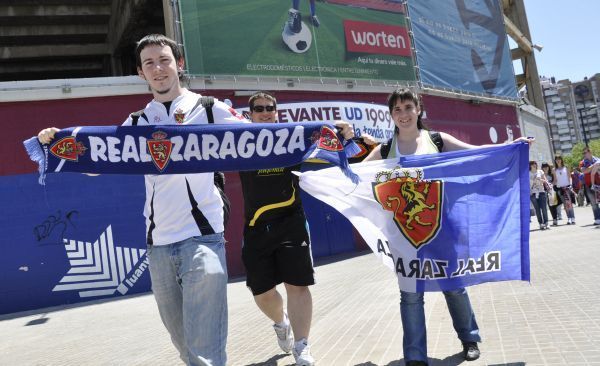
point(532, 163)
point(261, 94)
point(156, 40)
point(405, 94)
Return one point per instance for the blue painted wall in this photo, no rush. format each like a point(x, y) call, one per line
point(38, 219)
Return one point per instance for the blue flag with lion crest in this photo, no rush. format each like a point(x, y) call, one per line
point(441, 221)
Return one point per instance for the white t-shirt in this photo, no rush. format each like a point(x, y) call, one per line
point(562, 177)
point(180, 206)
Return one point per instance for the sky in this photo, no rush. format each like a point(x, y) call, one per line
point(569, 32)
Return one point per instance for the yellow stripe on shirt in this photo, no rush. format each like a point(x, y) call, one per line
point(273, 206)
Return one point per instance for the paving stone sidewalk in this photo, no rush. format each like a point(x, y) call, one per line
point(554, 320)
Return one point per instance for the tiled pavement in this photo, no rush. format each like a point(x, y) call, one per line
point(554, 320)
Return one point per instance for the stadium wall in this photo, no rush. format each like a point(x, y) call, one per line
point(81, 238)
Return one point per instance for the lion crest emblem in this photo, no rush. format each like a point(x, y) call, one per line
point(68, 148)
point(329, 141)
point(179, 116)
point(415, 202)
point(160, 149)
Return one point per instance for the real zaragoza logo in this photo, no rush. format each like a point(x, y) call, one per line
point(68, 148)
point(160, 149)
point(416, 203)
point(329, 141)
point(101, 268)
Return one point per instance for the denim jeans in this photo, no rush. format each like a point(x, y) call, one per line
point(189, 281)
point(540, 202)
point(592, 197)
point(412, 312)
point(568, 198)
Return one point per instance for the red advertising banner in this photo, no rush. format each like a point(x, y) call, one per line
point(376, 38)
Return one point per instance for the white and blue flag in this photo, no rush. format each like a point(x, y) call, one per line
point(440, 221)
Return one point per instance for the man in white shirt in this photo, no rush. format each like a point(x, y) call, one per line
point(184, 216)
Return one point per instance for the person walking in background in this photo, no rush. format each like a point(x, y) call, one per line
point(562, 177)
point(537, 183)
point(582, 180)
point(576, 183)
point(595, 177)
point(551, 191)
point(587, 164)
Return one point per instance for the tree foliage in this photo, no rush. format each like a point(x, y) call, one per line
point(572, 160)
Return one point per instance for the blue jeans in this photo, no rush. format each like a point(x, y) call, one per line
point(592, 197)
point(189, 281)
point(540, 204)
point(412, 312)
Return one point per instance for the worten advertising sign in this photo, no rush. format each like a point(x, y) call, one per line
point(462, 45)
point(358, 39)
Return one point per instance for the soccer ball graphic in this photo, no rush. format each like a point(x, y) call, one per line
point(296, 35)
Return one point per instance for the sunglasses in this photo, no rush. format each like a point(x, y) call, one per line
point(262, 108)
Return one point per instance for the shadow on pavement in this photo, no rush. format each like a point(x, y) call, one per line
point(271, 361)
point(454, 360)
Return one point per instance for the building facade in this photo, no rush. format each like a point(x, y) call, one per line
point(572, 112)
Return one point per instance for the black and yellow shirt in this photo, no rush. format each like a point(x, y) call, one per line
point(270, 194)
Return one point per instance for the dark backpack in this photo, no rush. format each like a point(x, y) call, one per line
point(435, 137)
point(219, 177)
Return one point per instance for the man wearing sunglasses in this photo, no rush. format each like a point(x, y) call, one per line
point(277, 244)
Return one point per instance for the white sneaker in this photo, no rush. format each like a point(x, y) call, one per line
point(303, 356)
point(285, 338)
point(596, 222)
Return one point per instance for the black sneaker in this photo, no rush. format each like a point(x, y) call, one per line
point(415, 363)
point(471, 351)
point(294, 21)
point(315, 21)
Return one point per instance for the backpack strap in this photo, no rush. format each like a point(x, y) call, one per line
point(437, 140)
point(208, 102)
point(135, 116)
point(219, 178)
point(385, 149)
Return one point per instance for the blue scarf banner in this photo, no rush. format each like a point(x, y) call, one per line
point(442, 221)
point(174, 149)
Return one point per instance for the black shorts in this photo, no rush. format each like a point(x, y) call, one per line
point(277, 252)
